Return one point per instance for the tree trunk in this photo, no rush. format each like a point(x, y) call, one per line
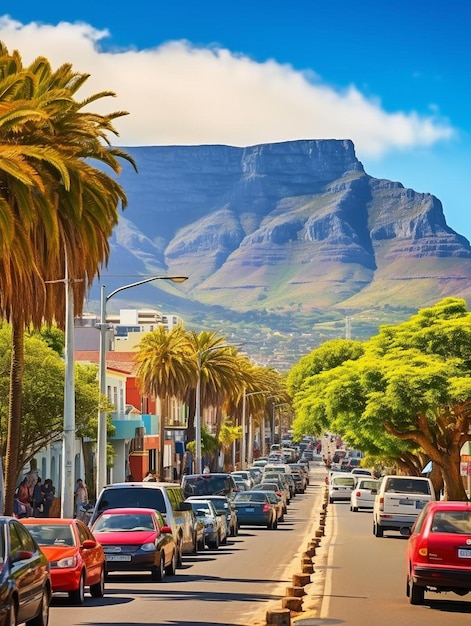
point(14, 415)
point(454, 487)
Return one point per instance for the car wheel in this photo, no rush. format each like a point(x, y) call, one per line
point(224, 541)
point(275, 524)
point(416, 593)
point(282, 518)
point(42, 618)
point(78, 596)
point(172, 566)
point(98, 589)
point(157, 574)
point(201, 545)
point(12, 614)
point(354, 509)
point(378, 530)
point(233, 531)
point(331, 500)
point(214, 545)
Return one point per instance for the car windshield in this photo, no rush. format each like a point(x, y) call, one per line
point(204, 485)
point(123, 523)
point(52, 534)
point(454, 522)
point(132, 497)
point(345, 481)
point(367, 484)
point(201, 506)
point(407, 485)
point(250, 496)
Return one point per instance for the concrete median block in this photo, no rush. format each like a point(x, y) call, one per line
point(295, 592)
point(301, 580)
point(308, 568)
point(278, 617)
point(293, 604)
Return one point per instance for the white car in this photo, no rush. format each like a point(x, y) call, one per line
point(363, 495)
point(341, 487)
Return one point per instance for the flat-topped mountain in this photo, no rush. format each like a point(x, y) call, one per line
point(294, 228)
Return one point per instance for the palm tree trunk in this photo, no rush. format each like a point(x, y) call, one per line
point(14, 415)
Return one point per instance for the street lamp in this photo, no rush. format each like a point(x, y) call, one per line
point(102, 438)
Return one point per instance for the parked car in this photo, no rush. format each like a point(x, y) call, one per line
point(25, 584)
point(166, 498)
point(136, 539)
point(278, 478)
point(438, 554)
point(214, 523)
point(255, 509)
point(223, 507)
point(245, 476)
point(211, 484)
point(241, 484)
point(277, 502)
point(76, 558)
point(256, 473)
point(363, 494)
point(299, 481)
point(399, 500)
point(341, 487)
point(275, 487)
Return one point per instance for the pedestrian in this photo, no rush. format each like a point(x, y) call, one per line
point(38, 499)
point(24, 497)
point(149, 478)
point(81, 495)
point(130, 478)
point(49, 492)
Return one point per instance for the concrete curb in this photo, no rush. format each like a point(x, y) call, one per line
point(292, 610)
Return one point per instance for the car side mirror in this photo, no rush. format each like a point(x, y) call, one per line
point(185, 506)
point(88, 544)
point(166, 530)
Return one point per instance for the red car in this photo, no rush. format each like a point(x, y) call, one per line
point(136, 539)
point(76, 559)
point(438, 555)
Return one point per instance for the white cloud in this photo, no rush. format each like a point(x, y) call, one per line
point(180, 94)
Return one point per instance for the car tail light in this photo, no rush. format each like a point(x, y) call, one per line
point(358, 494)
point(381, 504)
point(266, 508)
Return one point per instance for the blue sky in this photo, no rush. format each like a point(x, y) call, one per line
point(392, 76)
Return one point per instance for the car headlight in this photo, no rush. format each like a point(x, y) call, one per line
point(70, 561)
point(148, 547)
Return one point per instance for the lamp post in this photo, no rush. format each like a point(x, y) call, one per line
point(102, 438)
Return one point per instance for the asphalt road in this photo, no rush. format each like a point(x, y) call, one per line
point(231, 586)
point(364, 580)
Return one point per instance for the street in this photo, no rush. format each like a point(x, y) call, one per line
point(365, 581)
point(231, 586)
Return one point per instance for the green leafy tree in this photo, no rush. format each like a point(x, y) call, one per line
point(411, 385)
point(43, 396)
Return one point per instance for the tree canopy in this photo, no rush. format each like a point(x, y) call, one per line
point(404, 394)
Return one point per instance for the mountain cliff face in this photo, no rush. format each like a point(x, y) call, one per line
point(277, 227)
point(282, 243)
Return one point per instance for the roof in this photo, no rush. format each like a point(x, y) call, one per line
point(120, 361)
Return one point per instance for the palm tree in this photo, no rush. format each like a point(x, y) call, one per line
point(165, 369)
point(218, 367)
point(57, 208)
